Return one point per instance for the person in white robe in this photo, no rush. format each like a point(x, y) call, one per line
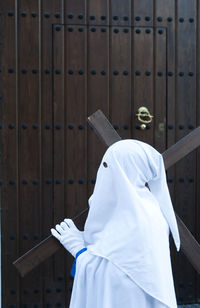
point(123, 254)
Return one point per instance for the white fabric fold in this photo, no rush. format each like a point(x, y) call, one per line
point(128, 224)
point(159, 189)
point(100, 284)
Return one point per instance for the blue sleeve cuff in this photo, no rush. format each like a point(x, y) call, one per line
point(73, 269)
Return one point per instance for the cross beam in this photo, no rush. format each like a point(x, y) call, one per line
point(108, 135)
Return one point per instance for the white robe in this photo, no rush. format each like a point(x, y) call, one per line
point(127, 263)
point(98, 283)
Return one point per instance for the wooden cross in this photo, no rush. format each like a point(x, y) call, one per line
point(108, 135)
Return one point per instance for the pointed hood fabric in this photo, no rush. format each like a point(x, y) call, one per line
point(128, 224)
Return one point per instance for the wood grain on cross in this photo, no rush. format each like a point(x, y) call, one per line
point(108, 135)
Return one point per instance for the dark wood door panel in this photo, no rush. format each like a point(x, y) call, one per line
point(96, 67)
point(59, 62)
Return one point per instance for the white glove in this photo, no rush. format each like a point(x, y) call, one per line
point(69, 236)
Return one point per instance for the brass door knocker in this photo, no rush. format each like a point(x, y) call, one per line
point(144, 117)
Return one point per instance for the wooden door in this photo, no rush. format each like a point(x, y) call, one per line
point(113, 68)
point(60, 60)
